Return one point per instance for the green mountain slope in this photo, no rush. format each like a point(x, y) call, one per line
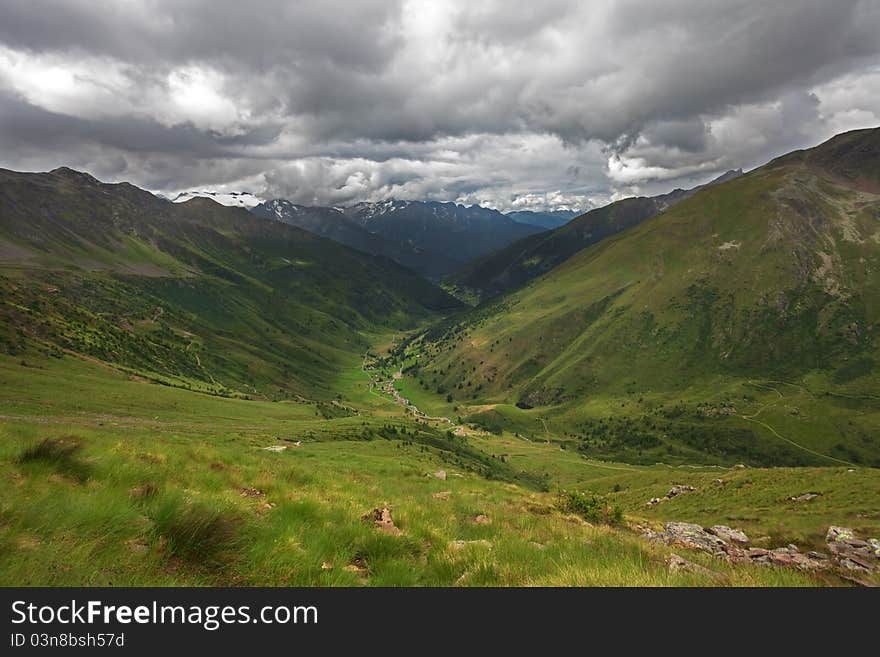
point(193, 294)
point(771, 279)
point(525, 259)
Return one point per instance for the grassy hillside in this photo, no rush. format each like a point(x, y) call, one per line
point(115, 481)
point(194, 294)
point(515, 265)
point(742, 324)
point(528, 258)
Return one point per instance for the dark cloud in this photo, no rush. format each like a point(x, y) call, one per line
point(252, 36)
point(558, 103)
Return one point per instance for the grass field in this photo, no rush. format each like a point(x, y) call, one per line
point(115, 481)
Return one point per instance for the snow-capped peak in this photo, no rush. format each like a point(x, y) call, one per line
point(232, 199)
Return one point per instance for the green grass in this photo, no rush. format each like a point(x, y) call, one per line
point(172, 487)
point(754, 499)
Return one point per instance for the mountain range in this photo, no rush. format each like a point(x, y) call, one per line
point(192, 294)
point(327, 416)
point(681, 305)
point(432, 238)
point(766, 284)
point(523, 260)
point(334, 224)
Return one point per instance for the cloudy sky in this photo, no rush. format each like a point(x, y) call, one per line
point(551, 104)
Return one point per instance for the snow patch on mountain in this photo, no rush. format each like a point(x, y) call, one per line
point(232, 199)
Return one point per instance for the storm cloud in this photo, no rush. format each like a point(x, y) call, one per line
point(557, 104)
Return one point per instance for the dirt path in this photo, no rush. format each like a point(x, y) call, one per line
point(791, 442)
point(751, 418)
point(544, 422)
point(199, 362)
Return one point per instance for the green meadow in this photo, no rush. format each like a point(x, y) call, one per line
point(116, 481)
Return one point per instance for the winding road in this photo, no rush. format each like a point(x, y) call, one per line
point(387, 387)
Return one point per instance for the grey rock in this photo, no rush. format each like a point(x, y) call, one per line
point(675, 491)
point(679, 565)
point(678, 489)
point(692, 536)
point(838, 534)
point(731, 535)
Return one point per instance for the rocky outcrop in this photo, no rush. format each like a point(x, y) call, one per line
point(730, 535)
point(846, 552)
point(381, 519)
point(678, 564)
point(691, 536)
point(851, 552)
point(675, 491)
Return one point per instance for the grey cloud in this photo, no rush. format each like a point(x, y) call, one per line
point(558, 102)
point(255, 35)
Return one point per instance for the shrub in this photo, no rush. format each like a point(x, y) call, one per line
point(590, 507)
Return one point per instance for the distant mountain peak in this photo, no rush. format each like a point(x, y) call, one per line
point(73, 174)
point(231, 199)
point(727, 175)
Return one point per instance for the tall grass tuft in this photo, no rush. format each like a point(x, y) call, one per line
point(60, 454)
point(199, 535)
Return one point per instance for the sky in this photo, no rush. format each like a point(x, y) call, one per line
point(545, 105)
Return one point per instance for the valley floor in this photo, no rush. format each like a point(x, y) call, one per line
point(111, 480)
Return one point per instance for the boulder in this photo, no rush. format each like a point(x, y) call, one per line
point(806, 497)
point(851, 552)
point(678, 489)
point(730, 535)
point(679, 565)
point(854, 563)
point(838, 533)
point(692, 536)
point(782, 557)
point(675, 491)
